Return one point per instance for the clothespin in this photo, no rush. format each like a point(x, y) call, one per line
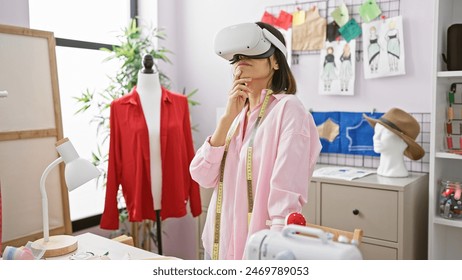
point(298, 7)
point(383, 17)
point(373, 111)
point(338, 39)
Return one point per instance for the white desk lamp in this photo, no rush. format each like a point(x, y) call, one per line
point(77, 172)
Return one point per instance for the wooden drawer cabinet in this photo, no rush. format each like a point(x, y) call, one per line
point(392, 212)
point(374, 211)
point(377, 252)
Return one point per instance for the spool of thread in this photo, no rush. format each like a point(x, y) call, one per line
point(451, 97)
point(448, 128)
point(13, 253)
point(450, 113)
point(449, 142)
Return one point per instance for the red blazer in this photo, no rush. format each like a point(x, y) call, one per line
point(129, 162)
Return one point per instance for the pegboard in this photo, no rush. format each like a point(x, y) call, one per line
point(389, 8)
point(422, 165)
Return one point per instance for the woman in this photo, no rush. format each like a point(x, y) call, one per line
point(284, 149)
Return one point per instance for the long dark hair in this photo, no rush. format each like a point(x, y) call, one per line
point(283, 79)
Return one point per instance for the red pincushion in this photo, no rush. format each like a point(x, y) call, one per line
point(296, 218)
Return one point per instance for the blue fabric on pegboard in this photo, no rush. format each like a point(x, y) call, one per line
point(355, 137)
point(322, 117)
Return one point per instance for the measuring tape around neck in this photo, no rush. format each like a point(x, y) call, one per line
point(216, 236)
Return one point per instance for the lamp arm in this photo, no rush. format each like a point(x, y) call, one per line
point(46, 230)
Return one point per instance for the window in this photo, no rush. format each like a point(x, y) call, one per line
point(81, 28)
point(84, 20)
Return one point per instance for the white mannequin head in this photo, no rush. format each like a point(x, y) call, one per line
point(391, 148)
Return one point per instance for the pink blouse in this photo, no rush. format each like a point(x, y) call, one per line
point(285, 150)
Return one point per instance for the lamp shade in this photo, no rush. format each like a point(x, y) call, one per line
point(78, 171)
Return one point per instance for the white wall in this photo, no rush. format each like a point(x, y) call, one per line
point(14, 12)
point(192, 24)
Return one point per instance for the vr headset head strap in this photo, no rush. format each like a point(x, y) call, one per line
point(275, 41)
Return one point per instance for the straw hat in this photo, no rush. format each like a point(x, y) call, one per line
point(405, 126)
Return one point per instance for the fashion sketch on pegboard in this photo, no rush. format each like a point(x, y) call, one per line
point(337, 64)
point(393, 46)
point(373, 50)
point(329, 70)
point(346, 68)
point(383, 48)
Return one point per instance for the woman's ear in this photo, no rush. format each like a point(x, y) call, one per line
point(274, 63)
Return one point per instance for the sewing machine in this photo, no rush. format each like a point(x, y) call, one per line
point(296, 242)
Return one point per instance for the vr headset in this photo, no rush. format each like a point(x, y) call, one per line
point(246, 39)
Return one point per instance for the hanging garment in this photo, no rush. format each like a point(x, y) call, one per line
point(298, 17)
point(129, 161)
point(311, 34)
point(284, 20)
point(268, 18)
point(332, 31)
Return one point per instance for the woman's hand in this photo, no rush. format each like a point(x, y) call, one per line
point(237, 95)
point(236, 101)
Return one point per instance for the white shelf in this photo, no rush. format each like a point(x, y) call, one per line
point(444, 234)
point(449, 74)
point(448, 155)
point(448, 222)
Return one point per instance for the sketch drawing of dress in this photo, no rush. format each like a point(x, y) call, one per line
point(346, 68)
point(329, 74)
point(393, 47)
point(373, 51)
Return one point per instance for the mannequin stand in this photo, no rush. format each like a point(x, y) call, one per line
point(159, 232)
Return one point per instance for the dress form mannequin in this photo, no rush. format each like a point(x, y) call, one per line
point(150, 92)
point(391, 148)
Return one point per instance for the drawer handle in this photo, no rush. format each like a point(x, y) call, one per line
point(355, 212)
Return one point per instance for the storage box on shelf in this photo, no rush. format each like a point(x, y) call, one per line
point(444, 234)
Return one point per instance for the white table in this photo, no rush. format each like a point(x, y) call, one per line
point(97, 247)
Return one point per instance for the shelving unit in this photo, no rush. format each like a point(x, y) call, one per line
point(443, 234)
